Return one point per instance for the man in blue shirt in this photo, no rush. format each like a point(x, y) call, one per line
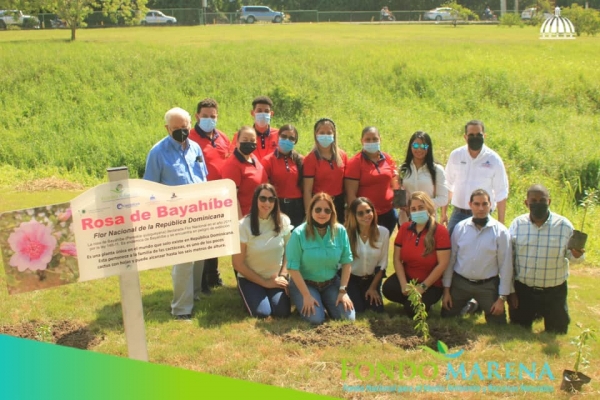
point(174, 161)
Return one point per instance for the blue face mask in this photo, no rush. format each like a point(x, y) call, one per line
point(372, 147)
point(262, 119)
point(419, 217)
point(286, 145)
point(208, 124)
point(325, 140)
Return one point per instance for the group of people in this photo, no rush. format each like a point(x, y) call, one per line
point(315, 230)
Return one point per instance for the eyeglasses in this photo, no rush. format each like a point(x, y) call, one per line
point(319, 210)
point(264, 199)
point(286, 137)
point(423, 146)
point(361, 214)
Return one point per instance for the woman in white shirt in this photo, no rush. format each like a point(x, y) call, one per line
point(260, 265)
point(369, 243)
point(419, 172)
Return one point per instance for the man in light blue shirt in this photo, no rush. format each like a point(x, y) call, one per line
point(174, 161)
point(481, 263)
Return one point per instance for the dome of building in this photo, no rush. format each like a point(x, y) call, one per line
point(557, 27)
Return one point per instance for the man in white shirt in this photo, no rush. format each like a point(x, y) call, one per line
point(481, 263)
point(470, 167)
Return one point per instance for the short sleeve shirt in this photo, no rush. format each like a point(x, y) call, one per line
point(283, 174)
point(328, 176)
point(246, 176)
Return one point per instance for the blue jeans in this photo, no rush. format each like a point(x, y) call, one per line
point(326, 297)
point(455, 218)
point(262, 302)
point(388, 220)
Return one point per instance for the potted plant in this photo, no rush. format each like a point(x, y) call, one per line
point(573, 380)
point(579, 238)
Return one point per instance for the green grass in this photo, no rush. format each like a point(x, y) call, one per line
point(70, 110)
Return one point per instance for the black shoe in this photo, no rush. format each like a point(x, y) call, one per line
point(216, 283)
point(183, 317)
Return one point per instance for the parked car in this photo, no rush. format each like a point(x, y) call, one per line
point(249, 14)
point(529, 13)
point(16, 17)
point(155, 17)
point(439, 14)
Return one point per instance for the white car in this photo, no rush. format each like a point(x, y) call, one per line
point(529, 13)
point(439, 14)
point(155, 17)
point(14, 17)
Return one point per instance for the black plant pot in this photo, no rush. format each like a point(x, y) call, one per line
point(399, 198)
point(577, 241)
point(573, 381)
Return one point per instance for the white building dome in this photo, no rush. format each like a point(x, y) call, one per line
point(557, 27)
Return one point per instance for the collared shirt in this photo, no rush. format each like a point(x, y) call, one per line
point(369, 257)
point(168, 164)
point(317, 259)
point(465, 174)
point(283, 174)
point(420, 180)
point(481, 253)
point(264, 253)
point(328, 176)
point(374, 179)
point(541, 257)
point(246, 175)
point(412, 247)
point(215, 150)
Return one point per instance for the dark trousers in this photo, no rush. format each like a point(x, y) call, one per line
point(388, 220)
point(293, 208)
point(210, 275)
point(486, 293)
point(357, 287)
point(393, 292)
point(549, 303)
point(340, 208)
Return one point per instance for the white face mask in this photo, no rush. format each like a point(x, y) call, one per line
point(372, 147)
point(262, 119)
point(207, 124)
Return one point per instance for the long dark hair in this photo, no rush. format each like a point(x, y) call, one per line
point(297, 158)
point(405, 167)
point(310, 233)
point(352, 225)
point(335, 150)
point(275, 214)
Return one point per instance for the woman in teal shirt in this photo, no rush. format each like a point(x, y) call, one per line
point(313, 253)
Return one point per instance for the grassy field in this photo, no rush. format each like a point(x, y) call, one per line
point(70, 110)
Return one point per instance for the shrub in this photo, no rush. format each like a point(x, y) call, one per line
point(585, 20)
point(511, 19)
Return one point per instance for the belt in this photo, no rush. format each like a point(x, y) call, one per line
point(319, 285)
point(476, 281)
point(286, 201)
point(463, 211)
point(539, 288)
point(364, 277)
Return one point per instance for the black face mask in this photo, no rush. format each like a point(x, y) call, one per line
point(319, 225)
point(481, 221)
point(475, 143)
point(180, 135)
point(538, 210)
point(246, 148)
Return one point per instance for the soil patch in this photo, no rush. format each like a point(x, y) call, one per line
point(43, 184)
point(329, 336)
point(64, 333)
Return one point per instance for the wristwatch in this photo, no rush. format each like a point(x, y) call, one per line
point(502, 297)
point(343, 289)
point(423, 286)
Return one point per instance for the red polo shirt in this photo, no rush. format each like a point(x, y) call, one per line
point(265, 143)
point(246, 175)
point(215, 150)
point(374, 179)
point(283, 174)
point(412, 246)
point(328, 176)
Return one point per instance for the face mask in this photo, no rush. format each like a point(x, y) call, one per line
point(538, 210)
point(475, 143)
point(246, 148)
point(262, 119)
point(208, 124)
point(286, 145)
point(419, 217)
point(180, 135)
point(319, 225)
point(481, 221)
point(372, 147)
point(325, 140)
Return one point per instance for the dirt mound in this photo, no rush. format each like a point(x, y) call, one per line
point(64, 333)
point(327, 335)
point(43, 184)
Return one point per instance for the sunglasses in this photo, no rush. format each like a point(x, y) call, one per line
point(423, 146)
point(319, 210)
point(286, 137)
point(362, 213)
point(264, 199)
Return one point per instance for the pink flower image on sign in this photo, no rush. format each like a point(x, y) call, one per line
point(68, 249)
point(33, 245)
